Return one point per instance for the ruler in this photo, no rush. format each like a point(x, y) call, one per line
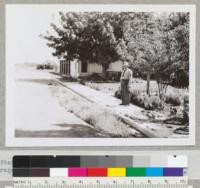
point(155, 182)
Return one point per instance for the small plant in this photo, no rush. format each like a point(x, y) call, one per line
point(72, 79)
point(93, 86)
point(186, 109)
point(136, 97)
point(82, 82)
point(156, 103)
point(172, 99)
point(141, 100)
point(118, 94)
point(69, 79)
point(145, 101)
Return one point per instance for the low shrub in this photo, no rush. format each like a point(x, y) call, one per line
point(156, 103)
point(93, 85)
point(118, 94)
point(143, 100)
point(82, 82)
point(148, 102)
point(114, 76)
point(69, 79)
point(136, 97)
point(173, 99)
point(186, 109)
point(72, 79)
point(93, 78)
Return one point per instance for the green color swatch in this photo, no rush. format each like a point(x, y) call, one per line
point(136, 172)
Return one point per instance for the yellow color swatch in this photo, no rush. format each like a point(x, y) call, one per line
point(116, 172)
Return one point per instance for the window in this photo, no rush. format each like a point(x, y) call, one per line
point(84, 66)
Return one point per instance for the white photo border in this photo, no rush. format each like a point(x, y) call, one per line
point(33, 142)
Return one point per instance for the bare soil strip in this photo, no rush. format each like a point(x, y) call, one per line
point(100, 118)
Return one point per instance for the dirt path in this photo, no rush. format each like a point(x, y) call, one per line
point(39, 114)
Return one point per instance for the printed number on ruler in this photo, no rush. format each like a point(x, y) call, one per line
point(101, 182)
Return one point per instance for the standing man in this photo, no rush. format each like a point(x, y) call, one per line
point(125, 80)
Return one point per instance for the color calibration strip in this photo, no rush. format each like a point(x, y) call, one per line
point(98, 172)
point(99, 166)
point(45, 161)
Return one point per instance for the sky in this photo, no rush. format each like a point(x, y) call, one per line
point(24, 24)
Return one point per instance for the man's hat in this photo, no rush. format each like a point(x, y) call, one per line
point(126, 64)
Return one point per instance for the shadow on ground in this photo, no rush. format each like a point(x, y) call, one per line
point(72, 131)
point(39, 81)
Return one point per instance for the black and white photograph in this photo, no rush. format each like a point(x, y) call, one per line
point(100, 75)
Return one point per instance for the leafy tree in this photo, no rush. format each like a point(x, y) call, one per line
point(100, 35)
point(173, 66)
point(156, 46)
point(87, 36)
point(159, 45)
point(65, 40)
point(140, 34)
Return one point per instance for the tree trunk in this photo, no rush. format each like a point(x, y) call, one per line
point(162, 89)
point(159, 90)
point(148, 84)
point(104, 68)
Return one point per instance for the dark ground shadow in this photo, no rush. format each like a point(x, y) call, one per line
point(39, 81)
point(73, 131)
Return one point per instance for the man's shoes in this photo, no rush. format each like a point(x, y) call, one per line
point(124, 104)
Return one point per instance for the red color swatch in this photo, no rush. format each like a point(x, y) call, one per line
point(97, 172)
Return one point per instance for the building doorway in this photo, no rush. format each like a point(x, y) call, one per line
point(84, 66)
point(65, 67)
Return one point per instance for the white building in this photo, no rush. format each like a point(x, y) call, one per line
point(77, 68)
